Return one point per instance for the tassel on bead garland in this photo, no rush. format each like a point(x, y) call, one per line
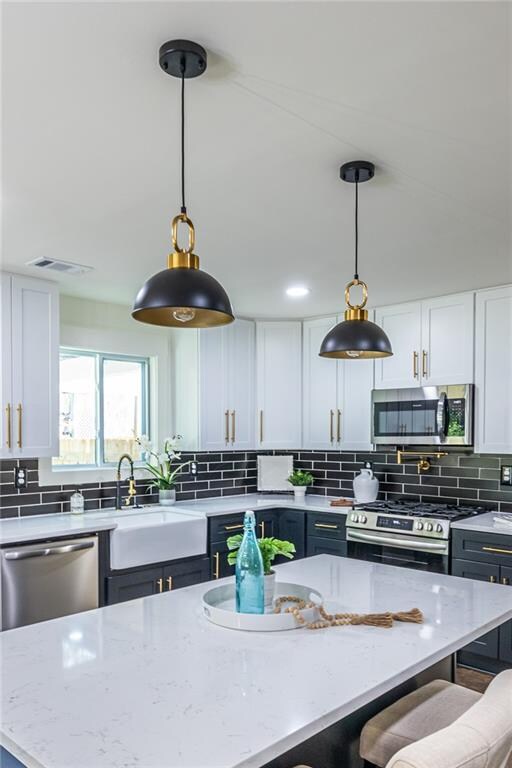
point(343, 619)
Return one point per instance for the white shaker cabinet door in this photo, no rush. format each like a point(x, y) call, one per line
point(241, 337)
point(402, 324)
point(213, 394)
point(447, 337)
point(35, 367)
point(355, 384)
point(493, 370)
point(279, 384)
point(320, 382)
point(6, 420)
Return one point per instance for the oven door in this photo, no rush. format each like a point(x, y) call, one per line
point(402, 551)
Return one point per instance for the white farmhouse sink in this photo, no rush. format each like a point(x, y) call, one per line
point(152, 537)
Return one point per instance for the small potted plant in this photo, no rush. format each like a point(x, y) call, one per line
point(161, 466)
point(269, 548)
point(300, 481)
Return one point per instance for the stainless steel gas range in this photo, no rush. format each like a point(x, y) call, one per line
point(407, 534)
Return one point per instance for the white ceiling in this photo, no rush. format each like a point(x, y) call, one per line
point(90, 146)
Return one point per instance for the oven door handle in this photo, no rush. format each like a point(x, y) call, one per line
point(425, 546)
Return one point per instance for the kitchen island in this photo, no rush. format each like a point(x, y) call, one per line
point(151, 683)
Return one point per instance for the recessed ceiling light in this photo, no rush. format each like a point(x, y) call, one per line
point(297, 291)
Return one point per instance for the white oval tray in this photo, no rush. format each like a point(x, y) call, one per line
point(219, 608)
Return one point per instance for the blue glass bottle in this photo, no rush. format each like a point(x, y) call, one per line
point(250, 590)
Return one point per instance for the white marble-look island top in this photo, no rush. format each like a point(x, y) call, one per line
point(151, 683)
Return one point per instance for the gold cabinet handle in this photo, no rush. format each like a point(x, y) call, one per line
point(233, 527)
point(233, 417)
point(261, 426)
point(326, 525)
point(216, 569)
point(226, 424)
point(498, 551)
point(262, 526)
point(331, 426)
point(20, 411)
point(160, 585)
point(338, 429)
point(9, 425)
point(415, 364)
point(169, 583)
point(492, 579)
point(424, 368)
point(505, 581)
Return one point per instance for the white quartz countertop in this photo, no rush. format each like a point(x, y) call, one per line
point(34, 527)
point(151, 683)
point(485, 523)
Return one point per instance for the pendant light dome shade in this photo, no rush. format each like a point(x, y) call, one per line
point(356, 337)
point(172, 295)
point(183, 295)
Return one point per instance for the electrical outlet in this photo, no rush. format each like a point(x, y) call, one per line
point(20, 477)
point(193, 468)
point(506, 475)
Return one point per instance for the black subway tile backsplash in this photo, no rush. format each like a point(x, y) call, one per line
point(457, 478)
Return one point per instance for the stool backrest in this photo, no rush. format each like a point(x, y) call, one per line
point(480, 738)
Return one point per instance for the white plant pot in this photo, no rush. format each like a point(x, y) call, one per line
point(270, 583)
point(299, 492)
point(166, 498)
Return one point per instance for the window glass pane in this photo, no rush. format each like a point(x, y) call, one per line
point(123, 404)
point(77, 423)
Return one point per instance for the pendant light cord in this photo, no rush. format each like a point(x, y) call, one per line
point(356, 275)
point(183, 206)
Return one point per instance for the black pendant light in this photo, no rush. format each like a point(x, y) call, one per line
point(183, 295)
point(356, 337)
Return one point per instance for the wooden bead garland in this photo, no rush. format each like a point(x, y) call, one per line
point(342, 619)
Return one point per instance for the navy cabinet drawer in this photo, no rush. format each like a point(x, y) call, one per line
point(483, 547)
point(488, 644)
point(316, 545)
point(327, 526)
point(221, 528)
point(177, 575)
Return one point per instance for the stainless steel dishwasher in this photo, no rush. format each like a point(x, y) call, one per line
point(46, 580)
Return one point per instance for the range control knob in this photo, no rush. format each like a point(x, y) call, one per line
point(439, 528)
point(363, 519)
point(419, 526)
point(429, 527)
point(353, 517)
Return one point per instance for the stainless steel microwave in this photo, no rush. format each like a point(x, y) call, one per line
point(423, 416)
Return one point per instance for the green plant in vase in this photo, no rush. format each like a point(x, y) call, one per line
point(162, 467)
point(300, 480)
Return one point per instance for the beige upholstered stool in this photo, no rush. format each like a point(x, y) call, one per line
point(480, 738)
point(419, 714)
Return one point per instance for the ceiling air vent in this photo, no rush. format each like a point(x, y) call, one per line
point(66, 267)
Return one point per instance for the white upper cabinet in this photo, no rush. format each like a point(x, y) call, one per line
point(493, 370)
point(30, 367)
point(337, 394)
point(226, 387)
point(447, 336)
point(402, 324)
point(432, 342)
point(279, 384)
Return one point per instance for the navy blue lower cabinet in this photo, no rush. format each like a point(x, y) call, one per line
point(267, 524)
point(317, 545)
point(328, 526)
point(129, 586)
point(488, 644)
point(292, 527)
point(142, 582)
point(219, 560)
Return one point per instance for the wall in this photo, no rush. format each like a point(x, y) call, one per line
point(455, 479)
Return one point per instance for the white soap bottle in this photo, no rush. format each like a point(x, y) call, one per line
point(77, 503)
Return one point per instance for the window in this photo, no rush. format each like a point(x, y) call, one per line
point(103, 407)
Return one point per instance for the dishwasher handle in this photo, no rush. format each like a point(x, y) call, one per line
point(63, 549)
